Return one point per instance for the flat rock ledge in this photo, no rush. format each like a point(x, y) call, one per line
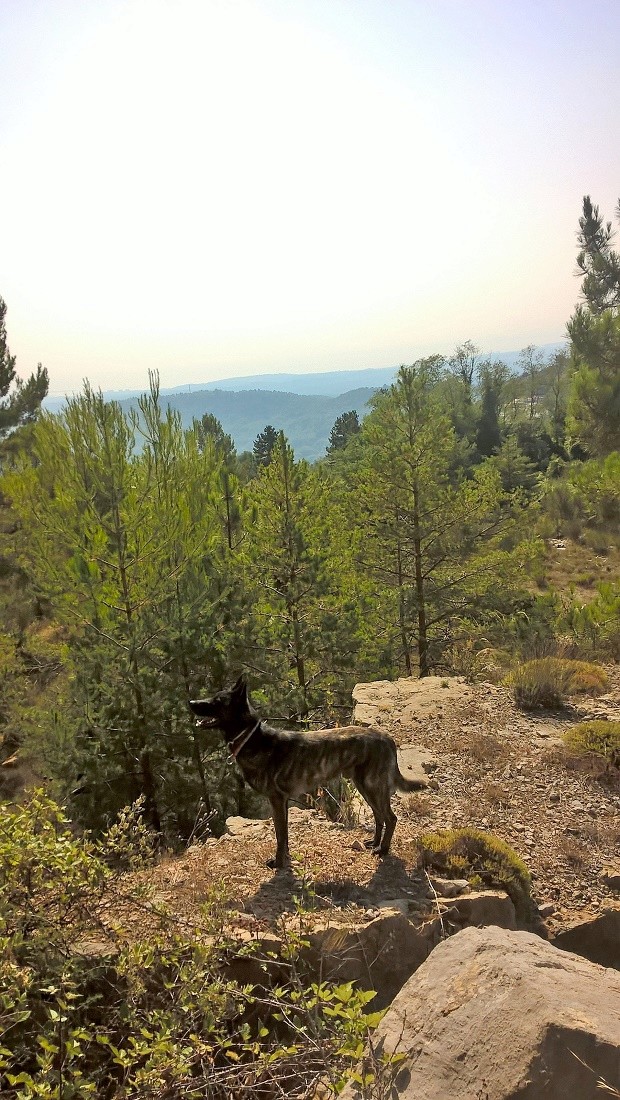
point(500, 1015)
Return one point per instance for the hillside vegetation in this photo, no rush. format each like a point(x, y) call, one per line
point(469, 523)
point(306, 420)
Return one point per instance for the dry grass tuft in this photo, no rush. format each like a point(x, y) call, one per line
point(419, 805)
point(495, 794)
point(549, 681)
point(573, 852)
point(482, 747)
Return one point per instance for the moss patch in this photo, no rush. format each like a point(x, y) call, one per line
point(483, 859)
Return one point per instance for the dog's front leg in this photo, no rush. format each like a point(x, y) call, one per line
point(279, 806)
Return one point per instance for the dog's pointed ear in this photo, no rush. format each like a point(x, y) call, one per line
point(240, 687)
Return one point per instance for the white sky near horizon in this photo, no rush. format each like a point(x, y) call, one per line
point(212, 188)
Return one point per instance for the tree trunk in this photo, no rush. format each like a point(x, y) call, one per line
point(401, 611)
point(149, 790)
point(419, 586)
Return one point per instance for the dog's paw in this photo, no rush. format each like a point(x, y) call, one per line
point(275, 866)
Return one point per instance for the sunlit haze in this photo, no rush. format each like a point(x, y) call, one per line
point(221, 187)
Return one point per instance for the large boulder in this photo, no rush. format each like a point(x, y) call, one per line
point(498, 1014)
point(597, 938)
point(380, 954)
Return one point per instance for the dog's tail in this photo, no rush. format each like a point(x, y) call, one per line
point(403, 784)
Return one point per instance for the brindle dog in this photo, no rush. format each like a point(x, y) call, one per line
point(282, 764)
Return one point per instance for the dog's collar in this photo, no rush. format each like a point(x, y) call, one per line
point(243, 738)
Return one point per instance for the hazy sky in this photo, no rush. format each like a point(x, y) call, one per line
point(219, 187)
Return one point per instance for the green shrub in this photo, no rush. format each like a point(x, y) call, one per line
point(597, 623)
point(549, 681)
point(482, 858)
point(600, 737)
point(597, 485)
point(164, 1016)
point(598, 541)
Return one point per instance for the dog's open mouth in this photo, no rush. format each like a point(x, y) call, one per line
point(204, 720)
point(206, 723)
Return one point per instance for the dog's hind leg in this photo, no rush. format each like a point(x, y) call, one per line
point(369, 797)
point(390, 825)
point(279, 806)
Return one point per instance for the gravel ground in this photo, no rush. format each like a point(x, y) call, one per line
point(490, 766)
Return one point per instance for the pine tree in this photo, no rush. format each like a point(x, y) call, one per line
point(597, 261)
point(264, 444)
point(345, 426)
point(19, 401)
point(531, 364)
point(127, 545)
point(210, 428)
point(435, 542)
point(488, 435)
point(464, 363)
point(594, 402)
point(304, 634)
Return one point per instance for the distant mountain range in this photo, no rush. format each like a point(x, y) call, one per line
point(304, 406)
point(305, 419)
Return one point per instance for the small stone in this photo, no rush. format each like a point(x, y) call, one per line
point(547, 909)
point(610, 877)
point(450, 887)
point(403, 905)
point(357, 846)
point(554, 796)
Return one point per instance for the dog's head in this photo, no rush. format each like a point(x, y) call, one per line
point(228, 711)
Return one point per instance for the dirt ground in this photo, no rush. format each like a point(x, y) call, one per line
point(490, 766)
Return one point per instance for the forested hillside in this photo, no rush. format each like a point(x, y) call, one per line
point(155, 561)
point(305, 419)
point(147, 557)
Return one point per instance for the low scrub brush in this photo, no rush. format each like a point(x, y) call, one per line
point(549, 681)
point(599, 737)
point(483, 859)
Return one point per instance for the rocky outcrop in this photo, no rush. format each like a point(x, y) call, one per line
point(407, 701)
point(380, 954)
point(501, 1015)
point(597, 938)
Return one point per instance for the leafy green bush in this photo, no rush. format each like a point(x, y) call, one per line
point(162, 1017)
point(597, 485)
point(597, 623)
point(549, 681)
point(600, 737)
point(482, 858)
point(587, 497)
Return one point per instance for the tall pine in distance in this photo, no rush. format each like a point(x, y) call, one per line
point(594, 329)
point(345, 426)
point(264, 444)
point(435, 541)
point(597, 261)
point(20, 401)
